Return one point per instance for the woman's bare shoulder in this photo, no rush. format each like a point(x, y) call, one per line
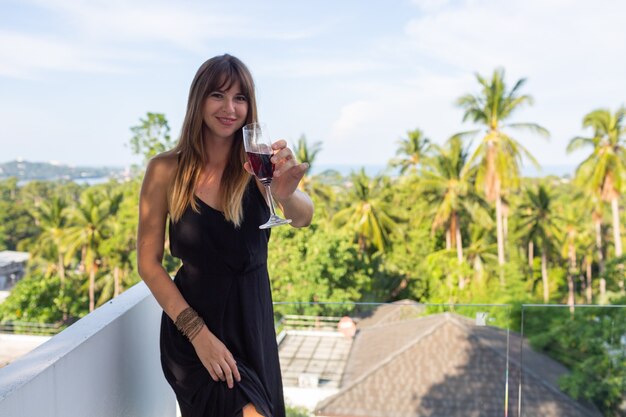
point(162, 167)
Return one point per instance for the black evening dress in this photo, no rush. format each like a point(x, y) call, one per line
point(224, 278)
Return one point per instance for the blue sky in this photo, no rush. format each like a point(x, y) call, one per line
point(356, 75)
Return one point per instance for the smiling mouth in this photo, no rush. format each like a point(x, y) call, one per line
point(226, 121)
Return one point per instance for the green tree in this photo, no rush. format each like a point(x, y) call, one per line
point(16, 223)
point(51, 217)
point(539, 223)
point(88, 229)
point(448, 187)
point(571, 241)
point(151, 136)
point(590, 344)
point(118, 250)
point(603, 170)
point(305, 152)
point(37, 299)
point(499, 155)
point(367, 215)
point(412, 151)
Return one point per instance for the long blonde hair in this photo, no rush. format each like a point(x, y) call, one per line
point(218, 73)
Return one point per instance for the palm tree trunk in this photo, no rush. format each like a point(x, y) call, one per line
point(588, 290)
point(61, 267)
point(459, 238)
point(499, 228)
point(83, 256)
point(448, 240)
point(505, 223)
point(618, 238)
point(531, 254)
point(116, 281)
point(598, 227)
point(459, 248)
point(616, 227)
point(544, 276)
point(570, 292)
point(92, 288)
point(362, 243)
point(459, 244)
point(571, 299)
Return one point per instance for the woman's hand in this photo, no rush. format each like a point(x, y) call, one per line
point(295, 204)
point(287, 171)
point(216, 357)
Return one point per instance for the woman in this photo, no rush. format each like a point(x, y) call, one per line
point(218, 345)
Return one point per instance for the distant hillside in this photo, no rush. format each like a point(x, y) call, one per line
point(25, 170)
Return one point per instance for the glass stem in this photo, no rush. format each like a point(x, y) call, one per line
point(270, 201)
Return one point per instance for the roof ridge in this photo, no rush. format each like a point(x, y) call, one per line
point(385, 362)
point(406, 302)
point(397, 323)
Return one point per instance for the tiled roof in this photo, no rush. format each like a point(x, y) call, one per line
point(319, 354)
point(443, 365)
point(391, 313)
point(8, 256)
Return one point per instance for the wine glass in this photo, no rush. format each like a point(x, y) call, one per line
point(258, 147)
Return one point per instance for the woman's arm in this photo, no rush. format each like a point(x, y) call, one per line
point(153, 209)
point(298, 207)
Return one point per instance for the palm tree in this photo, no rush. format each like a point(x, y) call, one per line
point(306, 153)
point(480, 252)
point(499, 156)
point(538, 223)
point(603, 170)
point(411, 151)
point(571, 239)
point(448, 187)
point(587, 247)
point(367, 215)
point(51, 217)
point(116, 250)
point(87, 231)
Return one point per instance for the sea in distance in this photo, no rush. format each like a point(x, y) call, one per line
point(373, 170)
point(566, 171)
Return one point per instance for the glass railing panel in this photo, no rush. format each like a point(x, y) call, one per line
point(573, 362)
point(402, 358)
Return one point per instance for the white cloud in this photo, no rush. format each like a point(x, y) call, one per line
point(430, 5)
point(22, 56)
point(109, 35)
point(297, 68)
point(353, 120)
point(367, 130)
point(533, 35)
point(571, 52)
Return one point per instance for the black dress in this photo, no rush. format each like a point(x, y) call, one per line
point(224, 278)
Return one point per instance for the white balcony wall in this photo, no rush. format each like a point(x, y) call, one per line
point(105, 365)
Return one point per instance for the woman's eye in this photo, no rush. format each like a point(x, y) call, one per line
point(216, 95)
point(241, 98)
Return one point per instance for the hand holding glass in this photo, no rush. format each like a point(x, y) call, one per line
point(258, 147)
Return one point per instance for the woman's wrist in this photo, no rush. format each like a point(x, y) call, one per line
point(285, 201)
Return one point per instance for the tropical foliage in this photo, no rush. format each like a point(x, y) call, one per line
point(434, 231)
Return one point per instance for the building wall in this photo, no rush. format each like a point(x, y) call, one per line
point(105, 365)
point(10, 274)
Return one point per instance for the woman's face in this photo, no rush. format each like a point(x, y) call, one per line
point(225, 111)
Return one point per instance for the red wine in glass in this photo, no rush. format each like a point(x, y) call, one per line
point(258, 146)
point(262, 166)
